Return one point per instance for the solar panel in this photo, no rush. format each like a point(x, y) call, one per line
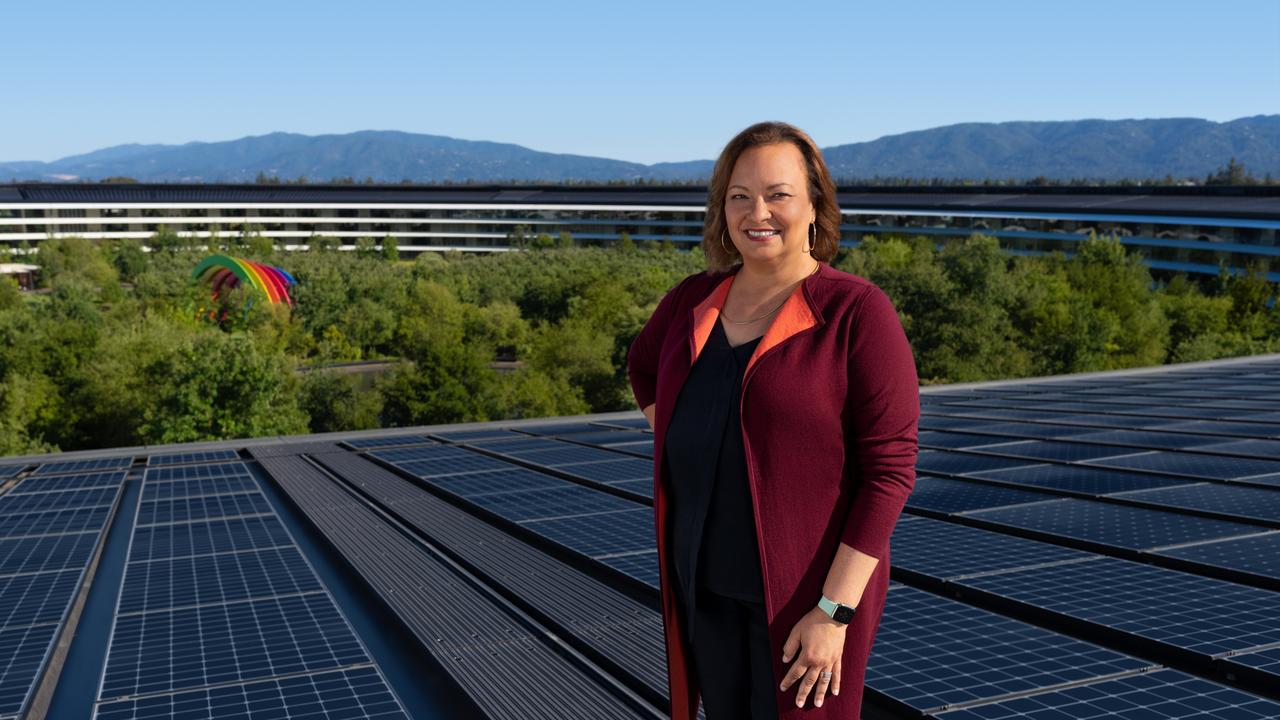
point(499, 481)
point(642, 566)
point(8, 471)
point(422, 452)
point(202, 456)
point(931, 652)
point(22, 652)
point(1078, 478)
point(15, 504)
point(1203, 467)
point(204, 579)
point(470, 463)
point(58, 483)
point(47, 552)
point(1036, 430)
point(552, 502)
point(1182, 610)
point(563, 456)
point(1259, 661)
point(204, 486)
point(1163, 694)
point(954, 440)
point(506, 444)
point(948, 550)
point(474, 435)
point(356, 693)
point(1105, 421)
point(954, 463)
point(637, 448)
point(169, 650)
point(36, 598)
point(611, 470)
point(1234, 500)
point(1058, 451)
point(940, 422)
point(556, 429)
point(204, 507)
point(1240, 429)
point(195, 472)
point(1266, 449)
point(156, 542)
point(1149, 439)
point(1256, 555)
point(639, 423)
point(611, 437)
point(639, 487)
point(392, 441)
point(1264, 480)
point(75, 466)
point(1113, 525)
point(954, 496)
point(55, 522)
point(600, 533)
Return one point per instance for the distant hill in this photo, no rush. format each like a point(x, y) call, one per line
point(1094, 149)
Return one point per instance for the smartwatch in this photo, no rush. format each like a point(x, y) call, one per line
point(834, 610)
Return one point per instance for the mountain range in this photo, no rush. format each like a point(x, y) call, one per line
point(1090, 149)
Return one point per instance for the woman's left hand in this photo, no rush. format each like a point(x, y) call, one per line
point(820, 643)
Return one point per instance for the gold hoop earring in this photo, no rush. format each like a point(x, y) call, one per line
point(724, 235)
point(813, 237)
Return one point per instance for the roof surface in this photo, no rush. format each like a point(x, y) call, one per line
point(1081, 546)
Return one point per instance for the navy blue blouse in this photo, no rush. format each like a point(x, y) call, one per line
point(713, 530)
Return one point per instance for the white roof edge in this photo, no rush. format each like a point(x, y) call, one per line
point(1127, 372)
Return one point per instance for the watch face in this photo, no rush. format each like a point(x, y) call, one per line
point(843, 614)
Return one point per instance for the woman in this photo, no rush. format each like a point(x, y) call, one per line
point(784, 402)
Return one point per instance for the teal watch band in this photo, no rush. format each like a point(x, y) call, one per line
point(840, 613)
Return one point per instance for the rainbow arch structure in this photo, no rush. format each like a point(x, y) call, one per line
point(223, 272)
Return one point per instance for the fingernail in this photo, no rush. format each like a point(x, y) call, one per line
point(799, 703)
point(817, 703)
point(835, 692)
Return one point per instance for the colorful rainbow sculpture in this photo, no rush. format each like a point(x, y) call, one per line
point(223, 272)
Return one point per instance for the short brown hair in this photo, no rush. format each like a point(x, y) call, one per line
point(822, 192)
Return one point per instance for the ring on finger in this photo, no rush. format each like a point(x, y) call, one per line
point(826, 675)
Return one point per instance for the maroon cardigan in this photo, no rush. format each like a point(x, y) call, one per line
point(830, 405)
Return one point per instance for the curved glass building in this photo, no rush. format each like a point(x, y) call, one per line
point(1190, 229)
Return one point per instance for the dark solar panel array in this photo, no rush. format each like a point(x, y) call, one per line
point(204, 456)
point(75, 466)
point(1067, 543)
point(47, 542)
point(932, 652)
point(218, 606)
point(507, 670)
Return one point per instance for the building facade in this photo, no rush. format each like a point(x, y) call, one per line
point(1176, 229)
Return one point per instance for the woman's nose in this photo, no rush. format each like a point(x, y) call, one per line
point(760, 209)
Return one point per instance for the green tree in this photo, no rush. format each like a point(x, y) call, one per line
point(333, 403)
point(219, 386)
point(390, 249)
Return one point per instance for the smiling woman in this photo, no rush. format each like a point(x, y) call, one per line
point(784, 401)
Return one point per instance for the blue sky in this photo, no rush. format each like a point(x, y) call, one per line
point(647, 82)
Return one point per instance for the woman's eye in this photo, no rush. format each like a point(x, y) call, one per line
point(781, 194)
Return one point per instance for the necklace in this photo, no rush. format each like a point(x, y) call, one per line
point(775, 309)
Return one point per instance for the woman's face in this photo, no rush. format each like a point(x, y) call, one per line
point(767, 208)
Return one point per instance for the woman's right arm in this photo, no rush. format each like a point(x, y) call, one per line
point(642, 357)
